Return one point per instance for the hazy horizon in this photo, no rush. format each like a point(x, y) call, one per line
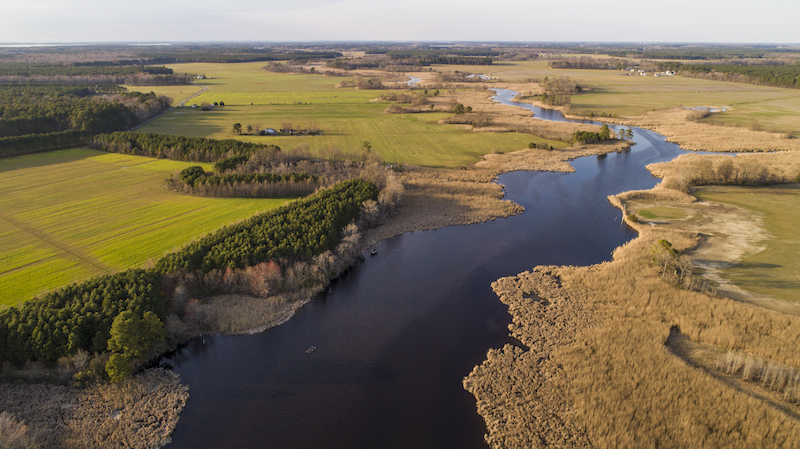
point(628, 21)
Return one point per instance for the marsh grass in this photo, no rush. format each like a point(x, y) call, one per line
point(140, 412)
point(615, 378)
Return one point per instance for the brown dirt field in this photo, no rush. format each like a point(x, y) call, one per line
point(140, 412)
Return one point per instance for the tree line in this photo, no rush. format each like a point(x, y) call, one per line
point(787, 76)
point(194, 180)
point(122, 314)
point(179, 148)
point(28, 70)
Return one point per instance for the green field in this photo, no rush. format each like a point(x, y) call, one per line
point(775, 271)
point(670, 213)
point(767, 108)
point(69, 215)
point(346, 117)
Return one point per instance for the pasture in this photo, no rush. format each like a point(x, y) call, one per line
point(346, 117)
point(775, 270)
point(72, 214)
point(760, 107)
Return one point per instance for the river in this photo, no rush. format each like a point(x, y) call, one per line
point(396, 335)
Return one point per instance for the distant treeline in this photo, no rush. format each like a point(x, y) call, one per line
point(178, 148)
point(413, 60)
point(589, 63)
point(27, 70)
point(84, 316)
point(679, 51)
point(241, 55)
point(768, 75)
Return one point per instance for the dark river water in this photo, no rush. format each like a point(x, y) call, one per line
point(397, 334)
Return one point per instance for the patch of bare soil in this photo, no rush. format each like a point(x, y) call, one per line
point(140, 412)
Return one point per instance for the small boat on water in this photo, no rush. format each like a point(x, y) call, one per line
point(373, 251)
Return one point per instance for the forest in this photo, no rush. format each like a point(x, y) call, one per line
point(35, 118)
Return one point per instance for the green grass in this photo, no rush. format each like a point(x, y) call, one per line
point(69, 215)
point(346, 117)
point(762, 107)
point(669, 213)
point(775, 271)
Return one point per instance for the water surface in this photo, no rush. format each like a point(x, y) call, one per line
point(397, 334)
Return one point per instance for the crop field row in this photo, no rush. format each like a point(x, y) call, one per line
point(774, 271)
point(72, 214)
point(346, 117)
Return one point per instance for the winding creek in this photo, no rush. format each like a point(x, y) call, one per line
point(397, 334)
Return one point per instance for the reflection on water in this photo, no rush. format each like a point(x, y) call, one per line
point(395, 336)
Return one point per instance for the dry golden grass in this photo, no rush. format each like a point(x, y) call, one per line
point(439, 198)
point(241, 314)
point(703, 168)
point(676, 125)
point(547, 160)
point(514, 119)
point(140, 412)
point(621, 385)
point(773, 383)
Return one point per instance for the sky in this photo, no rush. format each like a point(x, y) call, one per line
point(731, 21)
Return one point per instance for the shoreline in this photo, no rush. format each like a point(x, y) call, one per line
point(598, 370)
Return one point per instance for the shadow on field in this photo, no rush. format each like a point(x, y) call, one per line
point(47, 158)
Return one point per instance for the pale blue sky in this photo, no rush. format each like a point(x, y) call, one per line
point(35, 21)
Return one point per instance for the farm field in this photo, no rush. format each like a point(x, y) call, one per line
point(774, 271)
point(69, 215)
point(762, 107)
point(346, 117)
